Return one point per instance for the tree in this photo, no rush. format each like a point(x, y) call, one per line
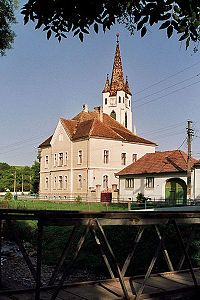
point(35, 177)
point(7, 19)
point(77, 16)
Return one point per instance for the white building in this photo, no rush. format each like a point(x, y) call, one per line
point(84, 153)
point(160, 176)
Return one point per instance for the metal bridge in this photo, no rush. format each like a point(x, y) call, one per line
point(175, 283)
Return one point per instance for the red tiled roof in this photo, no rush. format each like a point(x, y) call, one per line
point(46, 143)
point(87, 124)
point(69, 126)
point(159, 162)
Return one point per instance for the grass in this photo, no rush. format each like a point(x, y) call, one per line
point(47, 205)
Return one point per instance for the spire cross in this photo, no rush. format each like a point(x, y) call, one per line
point(117, 35)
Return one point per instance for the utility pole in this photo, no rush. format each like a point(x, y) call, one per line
point(22, 184)
point(15, 176)
point(189, 158)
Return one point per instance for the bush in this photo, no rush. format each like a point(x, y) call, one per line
point(140, 198)
point(78, 199)
point(8, 196)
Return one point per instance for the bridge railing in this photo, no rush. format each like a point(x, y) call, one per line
point(94, 224)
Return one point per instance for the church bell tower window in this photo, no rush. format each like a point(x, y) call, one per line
point(126, 122)
point(113, 114)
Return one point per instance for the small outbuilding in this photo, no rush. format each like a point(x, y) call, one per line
point(160, 176)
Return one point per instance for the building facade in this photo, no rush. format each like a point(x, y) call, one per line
point(160, 176)
point(84, 153)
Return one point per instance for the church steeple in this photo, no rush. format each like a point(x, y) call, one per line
point(117, 79)
point(117, 95)
point(107, 85)
point(127, 89)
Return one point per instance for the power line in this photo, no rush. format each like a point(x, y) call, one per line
point(164, 128)
point(182, 143)
point(168, 135)
point(164, 79)
point(23, 141)
point(156, 99)
point(166, 88)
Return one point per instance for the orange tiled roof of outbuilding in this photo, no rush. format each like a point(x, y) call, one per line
point(159, 162)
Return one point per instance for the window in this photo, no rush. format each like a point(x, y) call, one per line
point(123, 159)
point(66, 158)
point(106, 156)
point(66, 182)
point(150, 182)
point(55, 159)
point(123, 99)
point(126, 121)
point(80, 183)
point(105, 181)
point(55, 183)
point(60, 137)
point(129, 102)
point(46, 161)
point(134, 157)
point(60, 182)
point(46, 183)
point(119, 99)
point(106, 100)
point(129, 183)
point(60, 159)
point(80, 157)
point(113, 114)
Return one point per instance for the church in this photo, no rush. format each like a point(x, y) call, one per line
point(82, 156)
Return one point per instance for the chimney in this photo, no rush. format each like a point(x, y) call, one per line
point(99, 111)
point(85, 108)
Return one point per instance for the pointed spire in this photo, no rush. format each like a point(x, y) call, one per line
point(127, 89)
point(117, 80)
point(107, 85)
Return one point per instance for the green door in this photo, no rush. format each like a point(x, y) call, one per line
point(175, 192)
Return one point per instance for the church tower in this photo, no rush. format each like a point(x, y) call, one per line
point(117, 94)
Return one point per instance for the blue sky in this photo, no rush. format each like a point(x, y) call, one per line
point(42, 80)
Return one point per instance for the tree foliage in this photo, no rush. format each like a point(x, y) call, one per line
point(35, 177)
point(61, 17)
point(7, 19)
point(7, 174)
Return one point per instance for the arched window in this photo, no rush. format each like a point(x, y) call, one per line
point(80, 182)
point(126, 122)
point(66, 182)
point(46, 183)
point(113, 114)
point(105, 181)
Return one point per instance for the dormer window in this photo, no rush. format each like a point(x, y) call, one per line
point(60, 137)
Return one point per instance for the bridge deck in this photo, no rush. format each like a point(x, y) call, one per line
point(169, 285)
